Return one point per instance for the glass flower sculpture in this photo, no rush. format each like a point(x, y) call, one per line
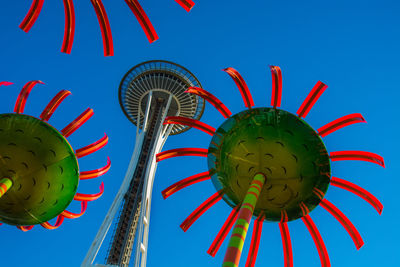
point(39, 171)
point(270, 165)
point(69, 28)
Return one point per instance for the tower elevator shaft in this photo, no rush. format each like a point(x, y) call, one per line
point(124, 235)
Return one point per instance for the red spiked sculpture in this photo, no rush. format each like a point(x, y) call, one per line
point(69, 29)
point(40, 171)
point(269, 164)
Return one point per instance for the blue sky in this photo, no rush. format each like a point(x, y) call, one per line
point(352, 46)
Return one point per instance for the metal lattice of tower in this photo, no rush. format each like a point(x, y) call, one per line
point(148, 93)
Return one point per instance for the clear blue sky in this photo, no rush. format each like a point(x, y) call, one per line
point(353, 46)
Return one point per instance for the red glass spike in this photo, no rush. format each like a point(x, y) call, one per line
point(95, 173)
point(32, 15)
point(255, 241)
point(70, 215)
point(6, 83)
point(47, 225)
point(344, 221)
point(23, 95)
point(77, 123)
point(90, 197)
point(318, 193)
point(355, 189)
point(340, 123)
point(241, 84)
point(89, 149)
point(25, 228)
point(178, 152)
point(284, 216)
point(186, 4)
point(223, 232)
point(310, 100)
point(287, 244)
point(276, 86)
point(201, 209)
point(211, 99)
point(304, 209)
point(104, 27)
point(357, 155)
point(69, 27)
point(185, 183)
point(191, 123)
point(53, 104)
point(319, 243)
point(144, 21)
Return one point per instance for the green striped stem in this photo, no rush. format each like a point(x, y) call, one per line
point(235, 246)
point(5, 185)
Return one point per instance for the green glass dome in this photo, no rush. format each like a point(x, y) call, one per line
point(281, 146)
point(42, 166)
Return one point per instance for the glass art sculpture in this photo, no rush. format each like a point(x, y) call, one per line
point(39, 171)
point(270, 165)
point(69, 28)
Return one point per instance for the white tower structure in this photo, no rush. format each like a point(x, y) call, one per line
point(148, 93)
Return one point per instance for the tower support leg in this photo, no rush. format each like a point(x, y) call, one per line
point(235, 246)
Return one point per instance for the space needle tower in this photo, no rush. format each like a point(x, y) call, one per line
point(148, 93)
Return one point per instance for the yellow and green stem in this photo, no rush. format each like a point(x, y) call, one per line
point(5, 185)
point(235, 246)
